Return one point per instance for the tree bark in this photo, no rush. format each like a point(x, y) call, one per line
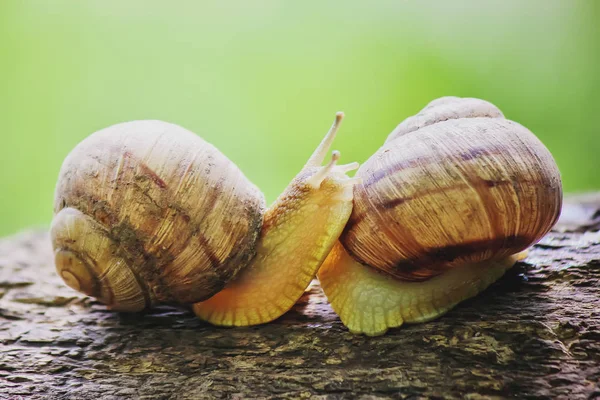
point(533, 334)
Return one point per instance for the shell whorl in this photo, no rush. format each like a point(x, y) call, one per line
point(151, 208)
point(87, 259)
point(456, 183)
point(443, 109)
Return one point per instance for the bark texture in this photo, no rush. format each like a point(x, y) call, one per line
point(534, 334)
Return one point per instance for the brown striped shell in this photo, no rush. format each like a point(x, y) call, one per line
point(454, 184)
point(148, 212)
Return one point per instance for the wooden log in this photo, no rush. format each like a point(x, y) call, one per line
point(534, 334)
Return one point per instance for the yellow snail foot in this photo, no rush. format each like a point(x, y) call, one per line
point(294, 242)
point(371, 302)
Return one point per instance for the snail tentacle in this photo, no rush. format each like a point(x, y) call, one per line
point(320, 152)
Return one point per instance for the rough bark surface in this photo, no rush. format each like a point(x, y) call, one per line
point(534, 334)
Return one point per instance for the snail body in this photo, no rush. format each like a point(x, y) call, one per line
point(147, 212)
point(446, 205)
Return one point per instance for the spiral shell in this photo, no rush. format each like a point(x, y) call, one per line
point(454, 184)
point(147, 212)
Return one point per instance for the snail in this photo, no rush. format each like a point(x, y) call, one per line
point(147, 212)
point(452, 200)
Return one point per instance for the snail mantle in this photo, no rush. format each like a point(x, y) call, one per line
point(534, 334)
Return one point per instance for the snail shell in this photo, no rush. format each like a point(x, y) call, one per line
point(445, 207)
point(455, 184)
point(148, 212)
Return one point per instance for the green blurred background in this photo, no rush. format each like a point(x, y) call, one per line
point(262, 80)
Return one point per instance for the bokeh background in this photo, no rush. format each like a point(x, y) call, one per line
point(262, 80)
